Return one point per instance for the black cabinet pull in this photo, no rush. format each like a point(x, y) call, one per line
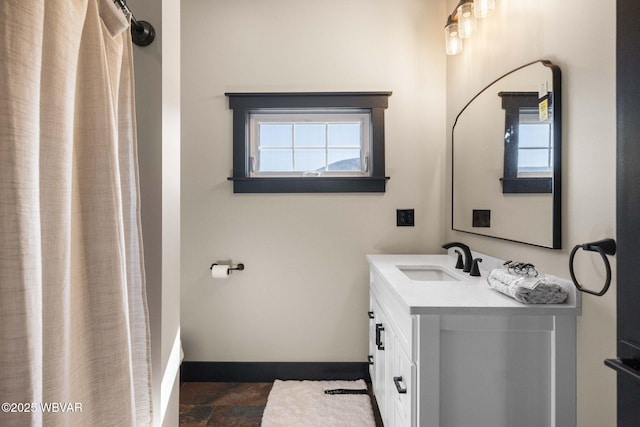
point(370, 313)
point(396, 381)
point(370, 357)
point(379, 329)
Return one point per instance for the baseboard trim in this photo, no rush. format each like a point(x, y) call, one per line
point(270, 371)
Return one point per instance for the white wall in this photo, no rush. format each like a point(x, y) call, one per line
point(157, 69)
point(578, 36)
point(304, 293)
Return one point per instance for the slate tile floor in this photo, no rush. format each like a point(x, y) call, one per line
point(222, 404)
point(228, 404)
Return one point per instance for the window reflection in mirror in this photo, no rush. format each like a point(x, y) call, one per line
point(528, 143)
point(535, 146)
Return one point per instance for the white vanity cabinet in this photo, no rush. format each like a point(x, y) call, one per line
point(392, 368)
point(460, 354)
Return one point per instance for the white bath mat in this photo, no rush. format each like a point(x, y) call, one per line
point(305, 404)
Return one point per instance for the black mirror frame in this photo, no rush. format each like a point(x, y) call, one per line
point(556, 181)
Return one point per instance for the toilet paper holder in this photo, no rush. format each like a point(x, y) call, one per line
point(238, 267)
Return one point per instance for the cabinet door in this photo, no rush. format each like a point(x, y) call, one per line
point(377, 344)
point(389, 388)
point(402, 375)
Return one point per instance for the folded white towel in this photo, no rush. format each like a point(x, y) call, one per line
point(525, 289)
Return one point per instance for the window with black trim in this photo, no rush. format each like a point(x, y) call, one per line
point(528, 143)
point(308, 142)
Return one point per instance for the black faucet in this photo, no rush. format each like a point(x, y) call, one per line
point(467, 254)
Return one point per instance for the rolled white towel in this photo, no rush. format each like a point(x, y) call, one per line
point(525, 289)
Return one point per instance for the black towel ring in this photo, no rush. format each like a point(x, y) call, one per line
point(603, 247)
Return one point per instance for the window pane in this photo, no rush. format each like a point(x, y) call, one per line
point(344, 160)
point(286, 143)
point(344, 134)
point(538, 159)
point(275, 135)
point(310, 160)
point(276, 160)
point(534, 135)
point(310, 134)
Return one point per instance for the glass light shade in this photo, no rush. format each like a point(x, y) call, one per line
point(453, 42)
point(483, 8)
point(466, 20)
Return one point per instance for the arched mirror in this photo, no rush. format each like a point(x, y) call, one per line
point(507, 158)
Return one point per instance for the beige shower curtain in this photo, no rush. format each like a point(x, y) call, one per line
point(74, 336)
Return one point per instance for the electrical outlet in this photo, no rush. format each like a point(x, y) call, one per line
point(404, 217)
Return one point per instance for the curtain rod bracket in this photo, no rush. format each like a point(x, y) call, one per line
point(142, 32)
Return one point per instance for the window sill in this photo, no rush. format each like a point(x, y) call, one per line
point(309, 185)
point(527, 185)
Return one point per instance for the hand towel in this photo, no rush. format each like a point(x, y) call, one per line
point(526, 289)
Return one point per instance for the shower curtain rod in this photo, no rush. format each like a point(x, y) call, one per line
point(142, 33)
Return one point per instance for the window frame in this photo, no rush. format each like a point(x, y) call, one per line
point(243, 104)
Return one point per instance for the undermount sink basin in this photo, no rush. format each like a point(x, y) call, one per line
point(428, 273)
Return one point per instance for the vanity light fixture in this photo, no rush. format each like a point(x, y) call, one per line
point(453, 42)
point(461, 24)
point(483, 8)
point(466, 19)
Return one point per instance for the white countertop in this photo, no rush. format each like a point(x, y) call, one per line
point(470, 295)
